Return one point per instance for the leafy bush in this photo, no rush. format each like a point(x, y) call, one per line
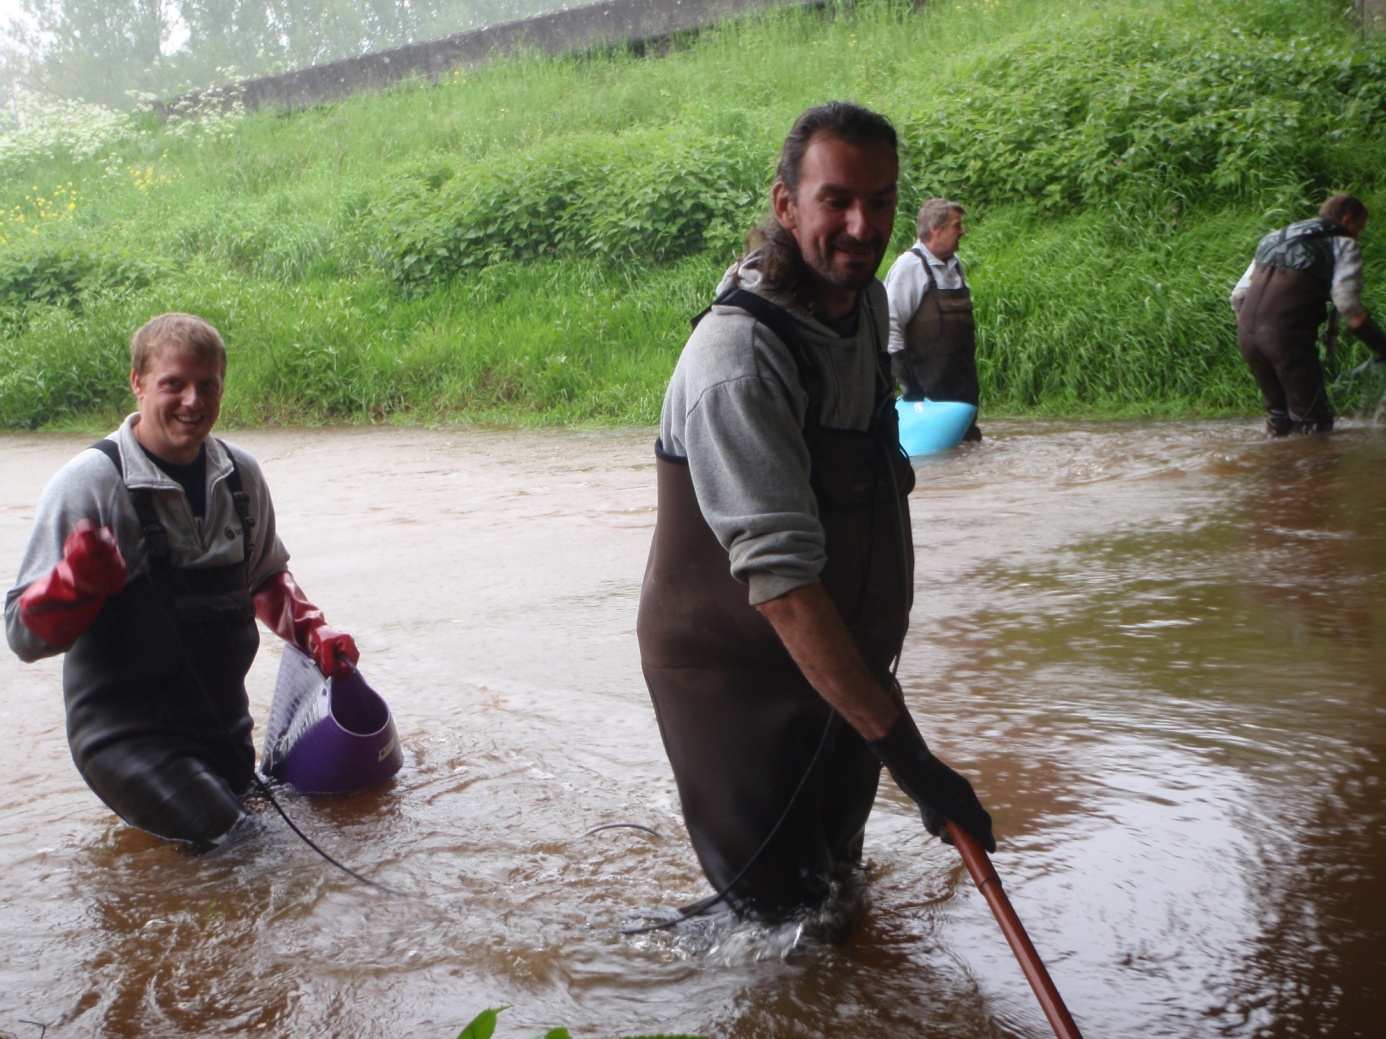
point(650, 196)
point(526, 207)
point(674, 193)
point(62, 275)
point(1136, 111)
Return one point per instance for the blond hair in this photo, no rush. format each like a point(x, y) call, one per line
point(180, 331)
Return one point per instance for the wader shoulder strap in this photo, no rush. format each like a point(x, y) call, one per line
point(1327, 229)
point(786, 328)
point(155, 536)
point(1305, 246)
point(241, 501)
point(109, 449)
point(928, 267)
point(160, 552)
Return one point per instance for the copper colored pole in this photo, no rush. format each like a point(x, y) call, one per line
point(989, 884)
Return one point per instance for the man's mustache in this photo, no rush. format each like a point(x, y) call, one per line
point(846, 241)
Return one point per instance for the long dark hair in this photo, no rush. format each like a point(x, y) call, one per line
point(781, 264)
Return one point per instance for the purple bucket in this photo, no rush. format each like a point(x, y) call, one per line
point(328, 736)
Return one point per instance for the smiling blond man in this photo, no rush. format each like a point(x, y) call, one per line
point(152, 554)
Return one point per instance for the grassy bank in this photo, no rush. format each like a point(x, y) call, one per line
point(525, 243)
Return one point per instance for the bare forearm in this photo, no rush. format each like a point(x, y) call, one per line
point(807, 622)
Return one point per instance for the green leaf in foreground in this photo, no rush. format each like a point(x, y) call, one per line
point(483, 1026)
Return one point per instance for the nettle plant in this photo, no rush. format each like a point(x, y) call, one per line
point(652, 195)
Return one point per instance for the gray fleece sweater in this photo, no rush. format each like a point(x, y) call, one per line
point(735, 409)
point(88, 487)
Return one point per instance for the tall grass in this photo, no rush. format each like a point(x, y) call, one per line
point(525, 242)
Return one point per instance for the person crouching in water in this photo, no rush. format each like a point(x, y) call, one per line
point(152, 554)
point(1282, 299)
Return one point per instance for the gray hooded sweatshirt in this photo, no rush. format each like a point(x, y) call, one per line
point(735, 409)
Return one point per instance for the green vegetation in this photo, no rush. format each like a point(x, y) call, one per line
point(483, 1026)
point(525, 243)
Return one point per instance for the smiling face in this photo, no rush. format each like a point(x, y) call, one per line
point(841, 215)
point(179, 394)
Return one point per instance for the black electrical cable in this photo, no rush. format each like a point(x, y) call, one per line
point(703, 905)
point(624, 826)
point(263, 787)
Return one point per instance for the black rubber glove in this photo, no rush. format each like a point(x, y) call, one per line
point(1371, 334)
point(941, 793)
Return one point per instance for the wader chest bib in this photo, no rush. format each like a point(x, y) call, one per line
point(940, 356)
point(155, 689)
point(739, 722)
point(1278, 323)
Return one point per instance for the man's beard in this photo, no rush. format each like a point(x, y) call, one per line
point(857, 277)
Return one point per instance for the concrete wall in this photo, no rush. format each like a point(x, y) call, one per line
point(637, 22)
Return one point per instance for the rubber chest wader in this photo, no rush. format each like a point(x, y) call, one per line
point(940, 356)
point(739, 722)
point(158, 719)
point(1278, 323)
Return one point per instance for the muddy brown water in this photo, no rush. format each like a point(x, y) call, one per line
point(1157, 648)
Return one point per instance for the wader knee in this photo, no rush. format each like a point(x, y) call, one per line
point(178, 796)
point(203, 810)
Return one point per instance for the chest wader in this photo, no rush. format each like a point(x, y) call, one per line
point(158, 719)
point(741, 726)
point(939, 360)
point(1278, 325)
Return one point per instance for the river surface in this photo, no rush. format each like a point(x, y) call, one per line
point(1157, 649)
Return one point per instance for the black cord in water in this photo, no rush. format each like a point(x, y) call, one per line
point(263, 787)
point(624, 826)
point(703, 905)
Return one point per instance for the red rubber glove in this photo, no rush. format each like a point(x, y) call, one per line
point(285, 610)
point(60, 607)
